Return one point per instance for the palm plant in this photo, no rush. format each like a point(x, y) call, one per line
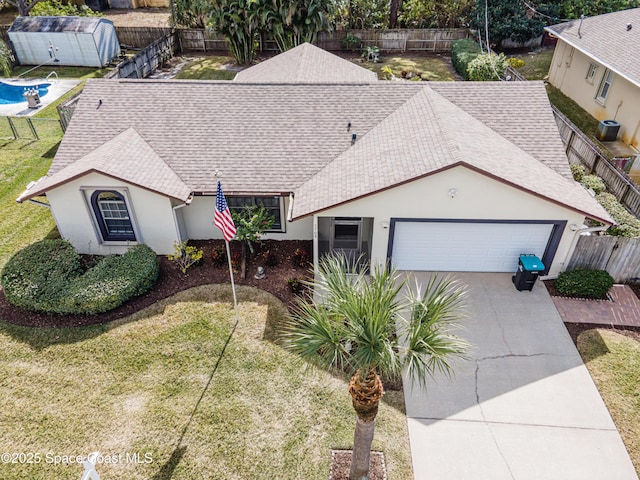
point(366, 327)
point(293, 22)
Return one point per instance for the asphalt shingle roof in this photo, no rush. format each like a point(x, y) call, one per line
point(400, 150)
point(306, 63)
point(607, 39)
point(127, 157)
point(282, 138)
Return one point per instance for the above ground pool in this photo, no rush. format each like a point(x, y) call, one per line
point(14, 92)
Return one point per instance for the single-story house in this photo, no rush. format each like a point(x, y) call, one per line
point(595, 63)
point(78, 41)
point(455, 176)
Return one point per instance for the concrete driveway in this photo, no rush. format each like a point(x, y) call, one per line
point(523, 406)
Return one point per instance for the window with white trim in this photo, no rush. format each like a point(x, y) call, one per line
point(111, 212)
point(605, 85)
point(591, 72)
point(273, 206)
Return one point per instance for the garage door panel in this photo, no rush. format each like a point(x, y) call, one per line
point(470, 247)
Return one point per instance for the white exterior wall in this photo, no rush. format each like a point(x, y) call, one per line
point(152, 215)
point(198, 221)
point(478, 197)
point(568, 73)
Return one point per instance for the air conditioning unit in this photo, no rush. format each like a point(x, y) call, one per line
point(607, 130)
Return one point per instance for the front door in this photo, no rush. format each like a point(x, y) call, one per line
point(346, 236)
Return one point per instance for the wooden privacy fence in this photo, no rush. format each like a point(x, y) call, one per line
point(140, 37)
point(146, 61)
point(620, 256)
point(411, 40)
point(581, 151)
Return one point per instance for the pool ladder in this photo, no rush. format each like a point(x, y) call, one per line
point(52, 74)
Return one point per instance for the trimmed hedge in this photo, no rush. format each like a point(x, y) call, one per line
point(584, 283)
point(593, 182)
point(48, 277)
point(462, 53)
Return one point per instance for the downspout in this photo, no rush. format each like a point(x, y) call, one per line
point(42, 204)
point(290, 209)
point(175, 216)
point(578, 232)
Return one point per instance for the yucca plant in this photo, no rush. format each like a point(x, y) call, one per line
point(367, 327)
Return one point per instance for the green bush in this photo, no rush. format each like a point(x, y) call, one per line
point(48, 277)
point(515, 62)
point(578, 172)
point(462, 53)
point(486, 67)
point(55, 8)
point(594, 182)
point(584, 283)
point(628, 224)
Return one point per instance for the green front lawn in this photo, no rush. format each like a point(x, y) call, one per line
point(177, 385)
point(614, 363)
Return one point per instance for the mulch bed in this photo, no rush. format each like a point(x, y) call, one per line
point(172, 281)
point(341, 464)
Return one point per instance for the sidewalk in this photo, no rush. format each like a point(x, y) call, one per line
point(623, 310)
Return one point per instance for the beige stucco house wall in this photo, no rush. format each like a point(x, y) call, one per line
point(478, 197)
point(152, 215)
point(202, 207)
point(581, 78)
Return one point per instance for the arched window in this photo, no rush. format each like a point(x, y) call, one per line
point(113, 216)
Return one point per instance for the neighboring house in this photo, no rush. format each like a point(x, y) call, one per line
point(77, 41)
point(596, 64)
point(455, 176)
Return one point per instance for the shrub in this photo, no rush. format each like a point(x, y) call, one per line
point(515, 62)
point(218, 256)
point(47, 276)
point(486, 67)
point(628, 224)
point(295, 285)
point(269, 259)
point(55, 8)
point(578, 172)
point(462, 53)
point(351, 42)
point(594, 182)
point(113, 281)
point(38, 275)
point(584, 283)
point(300, 258)
point(185, 256)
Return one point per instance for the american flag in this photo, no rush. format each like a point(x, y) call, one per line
point(222, 216)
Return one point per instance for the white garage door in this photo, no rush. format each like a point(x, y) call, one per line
point(466, 247)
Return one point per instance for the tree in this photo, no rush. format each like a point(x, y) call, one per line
point(251, 223)
point(591, 8)
point(509, 19)
point(436, 13)
point(361, 328)
point(191, 13)
point(240, 21)
point(6, 59)
point(293, 22)
point(55, 8)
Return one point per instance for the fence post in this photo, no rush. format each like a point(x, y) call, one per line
point(13, 129)
point(33, 130)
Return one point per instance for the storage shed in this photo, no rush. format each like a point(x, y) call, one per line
point(77, 41)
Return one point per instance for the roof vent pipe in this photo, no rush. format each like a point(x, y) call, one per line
point(580, 26)
point(629, 26)
point(353, 138)
point(348, 126)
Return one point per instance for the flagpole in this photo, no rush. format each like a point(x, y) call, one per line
point(233, 286)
